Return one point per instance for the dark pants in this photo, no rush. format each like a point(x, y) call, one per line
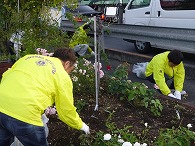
point(171, 85)
point(27, 134)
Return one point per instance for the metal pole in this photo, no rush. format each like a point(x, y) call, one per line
point(120, 12)
point(96, 70)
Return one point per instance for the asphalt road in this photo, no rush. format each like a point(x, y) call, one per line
point(120, 44)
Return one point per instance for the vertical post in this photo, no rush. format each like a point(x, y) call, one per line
point(96, 69)
point(120, 12)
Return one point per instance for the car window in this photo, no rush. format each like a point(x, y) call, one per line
point(84, 9)
point(139, 4)
point(79, 9)
point(178, 4)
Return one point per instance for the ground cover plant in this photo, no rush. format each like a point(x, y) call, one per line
point(129, 113)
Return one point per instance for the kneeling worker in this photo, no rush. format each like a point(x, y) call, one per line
point(167, 66)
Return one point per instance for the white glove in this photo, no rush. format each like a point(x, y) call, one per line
point(85, 128)
point(177, 94)
point(171, 95)
point(93, 53)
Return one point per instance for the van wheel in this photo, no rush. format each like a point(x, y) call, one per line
point(142, 47)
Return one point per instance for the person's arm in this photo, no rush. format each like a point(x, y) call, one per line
point(179, 75)
point(159, 78)
point(65, 104)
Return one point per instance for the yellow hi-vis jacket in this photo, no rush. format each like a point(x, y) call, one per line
point(159, 66)
point(32, 84)
point(80, 37)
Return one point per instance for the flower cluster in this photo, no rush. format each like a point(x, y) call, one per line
point(83, 77)
point(99, 66)
point(108, 137)
point(50, 110)
point(43, 52)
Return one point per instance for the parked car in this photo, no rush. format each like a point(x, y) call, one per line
point(80, 13)
point(160, 13)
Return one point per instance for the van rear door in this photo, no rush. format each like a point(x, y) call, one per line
point(174, 13)
point(138, 12)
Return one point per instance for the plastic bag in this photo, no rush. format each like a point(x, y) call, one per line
point(45, 121)
point(139, 69)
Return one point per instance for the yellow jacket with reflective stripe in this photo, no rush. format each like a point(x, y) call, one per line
point(32, 84)
point(159, 66)
point(80, 37)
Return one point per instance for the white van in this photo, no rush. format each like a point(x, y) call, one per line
point(160, 13)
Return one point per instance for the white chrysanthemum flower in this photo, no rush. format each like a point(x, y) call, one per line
point(189, 126)
point(137, 144)
point(144, 144)
point(74, 79)
point(75, 65)
point(120, 140)
point(126, 144)
point(107, 137)
point(80, 70)
point(129, 81)
point(84, 72)
point(146, 124)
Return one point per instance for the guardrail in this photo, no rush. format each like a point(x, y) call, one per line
point(183, 39)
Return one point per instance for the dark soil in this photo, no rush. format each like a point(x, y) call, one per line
point(124, 114)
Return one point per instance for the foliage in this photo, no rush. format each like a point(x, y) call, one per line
point(34, 20)
point(117, 136)
point(83, 77)
point(180, 136)
point(136, 93)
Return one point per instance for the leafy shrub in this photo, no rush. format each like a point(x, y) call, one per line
point(137, 93)
point(83, 77)
point(175, 137)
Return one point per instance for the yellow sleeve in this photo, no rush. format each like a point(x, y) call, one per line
point(159, 78)
point(179, 75)
point(65, 104)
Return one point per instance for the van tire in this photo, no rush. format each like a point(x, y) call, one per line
point(142, 47)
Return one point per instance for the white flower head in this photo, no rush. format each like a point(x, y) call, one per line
point(146, 124)
point(189, 126)
point(120, 140)
point(137, 144)
point(107, 137)
point(84, 72)
point(126, 144)
point(144, 144)
point(80, 70)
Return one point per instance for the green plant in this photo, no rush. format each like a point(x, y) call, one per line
point(117, 136)
point(134, 92)
point(80, 104)
point(33, 19)
point(180, 136)
point(156, 107)
point(83, 77)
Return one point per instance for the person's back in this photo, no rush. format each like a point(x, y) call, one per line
point(27, 87)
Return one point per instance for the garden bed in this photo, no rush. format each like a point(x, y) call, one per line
point(122, 114)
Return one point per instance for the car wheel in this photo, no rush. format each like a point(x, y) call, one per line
point(142, 47)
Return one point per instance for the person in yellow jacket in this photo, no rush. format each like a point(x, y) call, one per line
point(166, 66)
point(80, 41)
point(32, 84)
